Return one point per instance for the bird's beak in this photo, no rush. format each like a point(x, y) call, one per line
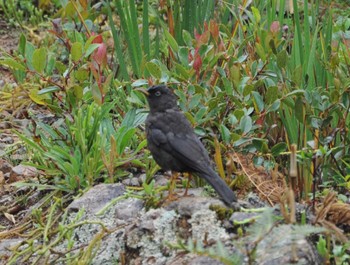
point(142, 90)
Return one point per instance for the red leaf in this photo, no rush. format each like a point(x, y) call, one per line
point(100, 54)
point(197, 64)
point(98, 39)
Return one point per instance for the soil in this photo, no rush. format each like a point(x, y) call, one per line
point(9, 36)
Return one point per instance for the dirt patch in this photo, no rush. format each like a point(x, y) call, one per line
point(9, 36)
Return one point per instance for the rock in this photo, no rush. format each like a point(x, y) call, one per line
point(23, 123)
point(188, 205)
point(161, 180)
point(142, 178)
point(255, 200)
point(285, 246)
point(240, 217)
point(206, 227)
point(97, 197)
point(5, 125)
point(5, 245)
point(129, 209)
point(21, 172)
point(181, 220)
point(5, 166)
point(204, 261)
point(192, 259)
point(7, 140)
point(131, 182)
point(149, 245)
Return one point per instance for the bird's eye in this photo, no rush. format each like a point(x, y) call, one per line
point(158, 93)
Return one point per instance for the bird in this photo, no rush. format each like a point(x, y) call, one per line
point(173, 143)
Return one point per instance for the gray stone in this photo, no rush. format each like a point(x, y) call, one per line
point(188, 205)
point(22, 172)
point(241, 217)
point(128, 209)
point(5, 245)
point(5, 125)
point(142, 178)
point(24, 123)
point(97, 197)
point(192, 259)
point(131, 182)
point(5, 166)
point(7, 140)
point(255, 200)
point(204, 261)
point(150, 245)
point(284, 246)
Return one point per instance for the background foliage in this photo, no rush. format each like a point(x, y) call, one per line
point(253, 77)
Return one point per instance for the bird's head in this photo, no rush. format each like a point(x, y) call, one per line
point(161, 98)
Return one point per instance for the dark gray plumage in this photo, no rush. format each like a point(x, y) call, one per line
point(173, 143)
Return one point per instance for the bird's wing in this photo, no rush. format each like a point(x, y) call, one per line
point(189, 150)
point(157, 136)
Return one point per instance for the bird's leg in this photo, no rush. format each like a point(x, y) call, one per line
point(188, 184)
point(173, 177)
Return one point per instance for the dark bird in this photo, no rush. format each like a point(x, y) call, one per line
point(173, 143)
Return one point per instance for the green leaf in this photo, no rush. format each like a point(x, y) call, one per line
point(322, 246)
point(81, 74)
point(299, 109)
point(187, 38)
point(154, 70)
point(225, 134)
point(172, 42)
point(282, 59)
point(91, 48)
point(260, 145)
point(96, 94)
point(12, 64)
point(260, 51)
point(29, 50)
point(194, 101)
point(139, 82)
point(76, 51)
point(48, 90)
point(247, 90)
point(298, 75)
point(50, 65)
point(295, 92)
point(38, 99)
point(275, 106)
point(238, 113)
point(22, 44)
point(278, 148)
point(273, 46)
point(256, 14)
point(183, 56)
point(125, 140)
point(39, 59)
point(246, 124)
point(258, 101)
point(271, 94)
point(182, 71)
point(78, 91)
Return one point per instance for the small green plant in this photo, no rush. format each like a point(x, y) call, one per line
point(18, 12)
point(54, 232)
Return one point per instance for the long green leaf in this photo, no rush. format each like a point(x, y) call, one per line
point(117, 46)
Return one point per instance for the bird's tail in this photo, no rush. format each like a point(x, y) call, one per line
point(219, 185)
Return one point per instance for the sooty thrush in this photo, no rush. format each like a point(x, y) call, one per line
point(173, 143)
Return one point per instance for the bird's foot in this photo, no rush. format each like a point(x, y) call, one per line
point(172, 197)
